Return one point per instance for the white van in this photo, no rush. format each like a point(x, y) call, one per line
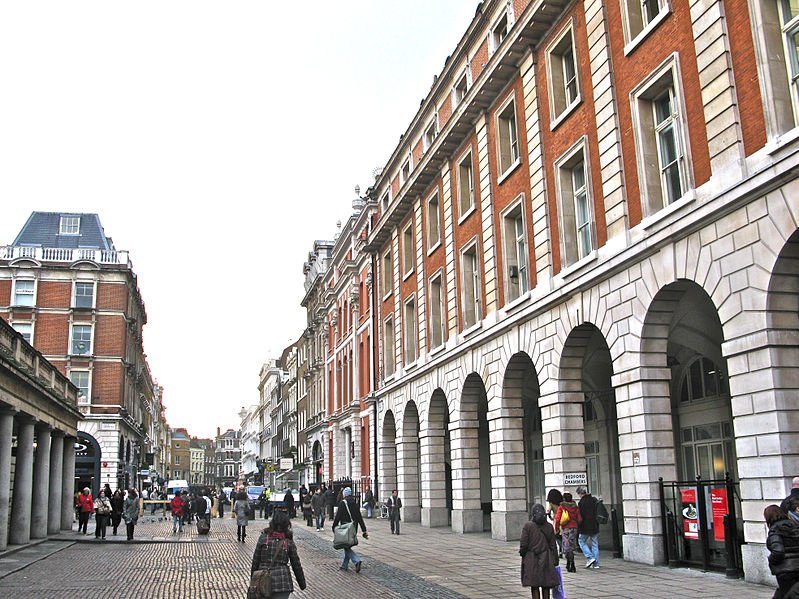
point(176, 486)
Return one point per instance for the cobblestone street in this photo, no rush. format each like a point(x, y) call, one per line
point(420, 563)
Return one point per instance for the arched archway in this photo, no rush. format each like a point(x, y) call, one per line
point(409, 465)
point(388, 455)
point(471, 460)
point(436, 463)
point(87, 463)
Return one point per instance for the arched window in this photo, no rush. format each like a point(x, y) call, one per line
point(703, 379)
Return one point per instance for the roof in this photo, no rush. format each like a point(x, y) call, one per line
point(43, 230)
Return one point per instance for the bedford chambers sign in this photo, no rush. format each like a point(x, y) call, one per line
point(575, 479)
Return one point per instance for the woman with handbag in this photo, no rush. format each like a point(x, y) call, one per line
point(102, 513)
point(539, 555)
point(274, 551)
point(567, 519)
point(348, 516)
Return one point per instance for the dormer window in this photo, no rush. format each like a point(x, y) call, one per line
point(499, 32)
point(70, 225)
point(460, 89)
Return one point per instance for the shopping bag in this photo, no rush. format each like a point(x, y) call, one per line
point(345, 535)
point(558, 592)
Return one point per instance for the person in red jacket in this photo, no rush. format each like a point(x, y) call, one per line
point(176, 507)
point(567, 519)
point(86, 506)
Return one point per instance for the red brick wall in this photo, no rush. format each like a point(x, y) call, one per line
point(52, 333)
point(109, 336)
point(445, 111)
point(107, 382)
point(479, 60)
point(5, 292)
point(436, 259)
point(54, 294)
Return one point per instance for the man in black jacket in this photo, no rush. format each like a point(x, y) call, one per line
point(348, 511)
point(588, 528)
point(394, 504)
point(793, 495)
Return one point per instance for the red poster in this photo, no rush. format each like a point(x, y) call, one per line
point(718, 501)
point(690, 515)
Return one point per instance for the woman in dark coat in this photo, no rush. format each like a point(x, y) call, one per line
point(783, 546)
point(276, 549)
point(240, 508)
point(117, 505)
point(539, 554)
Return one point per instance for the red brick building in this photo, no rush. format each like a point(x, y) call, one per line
point(74, 297)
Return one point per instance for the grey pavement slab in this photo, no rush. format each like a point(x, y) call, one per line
point(420, 563)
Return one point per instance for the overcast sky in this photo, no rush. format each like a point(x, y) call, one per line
point(216, 140)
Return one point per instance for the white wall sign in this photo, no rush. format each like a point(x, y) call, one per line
point(286, 463)
point(574, 479)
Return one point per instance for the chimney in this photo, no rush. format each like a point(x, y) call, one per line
point(218, 431)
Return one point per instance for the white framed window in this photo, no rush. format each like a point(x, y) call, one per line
point(177, 460)
point(388, 274)
point(408, 252)
point(470, 286)
point(461, 87)
point(81, 379)
point(69, 225)
point(564, 88)
point(385, 200)
point(789, 21)
point(84, 294)
point(433, 220)
point(388, 346)
point(465, 185)
point(411, 335)
point(514, 237)
point(431, 132)
point(640, 18)
point(24, 292)
point(499, 31)
point(575, 206)
point(507, 137)
point(436, 303)
point(405, 171)
point(81, 339)
point(661, 144)
point(25, 329)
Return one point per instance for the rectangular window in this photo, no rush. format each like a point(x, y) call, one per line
point(499, 32)
point(433, 222)
point(84, 295)
point(388, 346)
point(411, 341)
point(69, 225)
point(388, 274)
point(436, 311)
point(431, 133)
point(80, 378)
point(25, 329)
point(81, 340)
point(465, 185)
point(407, 250)
point(515, 245)
point(460, 89)
point(405, 171)
point(384, 201)
point(23, 292)
point(575, 209)
point(507, 138)
point(177, 460)
point(564, 90)
point(641, 16)
point(660, 142)
point(470, 284)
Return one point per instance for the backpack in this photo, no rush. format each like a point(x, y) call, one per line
point(602, 515)
point(564, 517)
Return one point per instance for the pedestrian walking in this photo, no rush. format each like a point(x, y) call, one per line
point(108, 492)
point(318, 507)
point(130, 512)
point(86, 509)
point(263, 499)
point(176, 507)
point(307, 510)
point(588, 528)
point(567, 519)
point(369, 502)
point(554, 497)
point(348, 512)
point(208, 504)
point(241, 507)
point(117, 506)
point(221, 501)
point(783, 545)
point(539, 553)
point(394, 503)
point(330, 501)
point(102, 513)
point(275, 550)
point(288, 500)
point(794, 494)
point(186, 507)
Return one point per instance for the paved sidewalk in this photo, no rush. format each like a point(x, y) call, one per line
point(418, 564)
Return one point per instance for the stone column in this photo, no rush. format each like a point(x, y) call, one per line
point(56, 482)
point(20, 533)
point(68, 484)
point(434, 478)
point(41, 482)
point(408, 478)
point(509, 499)
point(6, 431)
point(467, 512)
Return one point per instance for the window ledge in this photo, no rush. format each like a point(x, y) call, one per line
point(630, 47)
point(435, 246)
point(387, 295)
point(509, 171)
point(467, 214)
point(566, 112)
point(407, 275)
point(662, 214)
point(438, 348)
point(580, 264)
point(412, 365)
point(519, 301)
point(472, 329)
point(786, 138)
